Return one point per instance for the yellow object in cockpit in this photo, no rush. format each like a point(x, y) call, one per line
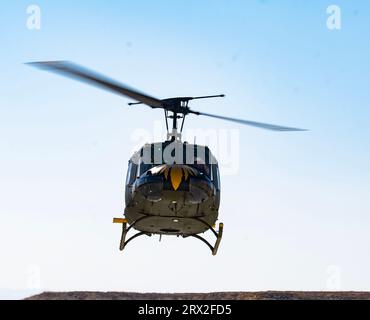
point(177, 174)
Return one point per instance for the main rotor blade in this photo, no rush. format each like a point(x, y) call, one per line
point(76, 72)
point(261, 125)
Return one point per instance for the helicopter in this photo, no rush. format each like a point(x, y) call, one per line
point(172, 187)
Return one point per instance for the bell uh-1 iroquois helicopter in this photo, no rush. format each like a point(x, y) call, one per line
point(172, 187)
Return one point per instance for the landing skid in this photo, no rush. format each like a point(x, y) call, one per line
point(218, 236)
point(125, 231)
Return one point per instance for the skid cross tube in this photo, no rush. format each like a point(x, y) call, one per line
point(207, 225)
point(125, 243)
point(203, 240)
point(125, 230)
point(218, 235)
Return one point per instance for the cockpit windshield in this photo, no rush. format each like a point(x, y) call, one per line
point(199, 157)
point(145, 167)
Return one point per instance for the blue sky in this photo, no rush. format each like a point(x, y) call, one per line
point(298, 205)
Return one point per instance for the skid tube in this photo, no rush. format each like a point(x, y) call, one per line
point(125, 230)
point(218, 235)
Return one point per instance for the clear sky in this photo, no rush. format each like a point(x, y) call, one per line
point(296, 209)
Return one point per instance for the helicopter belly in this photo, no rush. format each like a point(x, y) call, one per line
point(172, 215)
point(171, 226)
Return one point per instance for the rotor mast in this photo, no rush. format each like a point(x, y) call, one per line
point(179, 107)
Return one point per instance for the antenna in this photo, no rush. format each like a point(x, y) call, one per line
point(209, 97)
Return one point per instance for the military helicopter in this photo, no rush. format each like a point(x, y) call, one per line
point(172, 187)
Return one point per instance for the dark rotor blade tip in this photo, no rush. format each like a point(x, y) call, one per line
point(76, 72)
point(46, 63)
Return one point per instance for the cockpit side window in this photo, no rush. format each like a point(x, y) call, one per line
point(131, 173)
point(216, 176)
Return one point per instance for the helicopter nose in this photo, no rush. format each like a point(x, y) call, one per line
point(151, 188)
point(200, 189)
